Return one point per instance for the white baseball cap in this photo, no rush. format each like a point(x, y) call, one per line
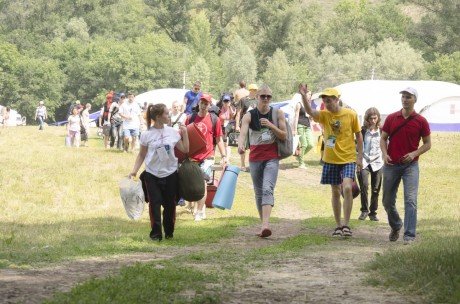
point(410, 90)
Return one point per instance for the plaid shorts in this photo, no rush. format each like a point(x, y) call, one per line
point(333, 173)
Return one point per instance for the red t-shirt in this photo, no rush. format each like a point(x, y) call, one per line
point(406, 139)
point(204, 124)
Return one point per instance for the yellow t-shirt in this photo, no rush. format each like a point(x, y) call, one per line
point(339, 135)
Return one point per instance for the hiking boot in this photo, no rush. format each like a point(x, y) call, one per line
point(374, 218)
point(394, 235)
point(337, 232)
point(363, 215)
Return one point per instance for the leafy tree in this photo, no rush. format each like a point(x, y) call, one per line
point(438, 29)
point(200, 71)
point(239, 63)
point(445, 68)
point(358, 24)
point(172, 16)
point(278, 76)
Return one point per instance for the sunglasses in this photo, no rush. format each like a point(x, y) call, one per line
point(265, 96)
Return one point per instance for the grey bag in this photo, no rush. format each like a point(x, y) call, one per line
point(286, 147)
point(132, 196)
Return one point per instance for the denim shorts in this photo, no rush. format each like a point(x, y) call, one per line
point(333, 174)
point(130, 132)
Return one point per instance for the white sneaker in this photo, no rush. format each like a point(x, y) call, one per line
point(203, 215)
point(198, 217)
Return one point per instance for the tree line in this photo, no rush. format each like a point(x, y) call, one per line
point(62, 50)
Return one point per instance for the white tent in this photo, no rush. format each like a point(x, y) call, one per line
point(166, 96)
point(438, 102)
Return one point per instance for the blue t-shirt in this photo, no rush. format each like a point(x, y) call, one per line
point(192, 101)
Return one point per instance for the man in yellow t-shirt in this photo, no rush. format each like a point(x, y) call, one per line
point(341, 127)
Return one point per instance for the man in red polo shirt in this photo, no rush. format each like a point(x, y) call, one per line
point(399, 142)
point(206, 159)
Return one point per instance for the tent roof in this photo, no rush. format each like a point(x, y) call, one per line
point(166, 96)
point(385, 96)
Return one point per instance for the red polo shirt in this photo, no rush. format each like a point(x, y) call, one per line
point(406, 139)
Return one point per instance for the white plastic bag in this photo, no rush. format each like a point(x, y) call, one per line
point(132, 196)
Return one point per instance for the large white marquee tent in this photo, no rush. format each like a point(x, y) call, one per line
point(438, 102)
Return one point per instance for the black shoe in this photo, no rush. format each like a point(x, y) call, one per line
point(169, 236)
point(156, 236)
point(394, 235)
point(374, 218)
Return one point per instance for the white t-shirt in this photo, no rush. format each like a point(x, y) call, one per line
point(160, 159)
point(133, 110)
point(181, 119)
point(74, 123)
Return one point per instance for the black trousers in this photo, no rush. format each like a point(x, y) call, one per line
point(376, 182)
point(116, 133)
point(162, 192)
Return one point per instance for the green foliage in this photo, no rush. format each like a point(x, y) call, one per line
point(445, 68)
point(239, 63)
point(279, 76)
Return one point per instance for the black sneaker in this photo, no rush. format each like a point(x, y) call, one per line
point(156, 236)
point(374, 218)
point(169, 236)
point(363, 215)
point(394, 235)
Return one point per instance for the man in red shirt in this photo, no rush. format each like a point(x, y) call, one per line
point(399, 142)
point(206, 159)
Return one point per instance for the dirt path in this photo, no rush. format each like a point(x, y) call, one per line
point(328, 273)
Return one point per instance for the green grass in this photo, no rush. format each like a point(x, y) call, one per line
point(60, 204)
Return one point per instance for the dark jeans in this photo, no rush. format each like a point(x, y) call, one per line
point(376, 182)
point(116, 132)
point(41, 122)
point(162, 192)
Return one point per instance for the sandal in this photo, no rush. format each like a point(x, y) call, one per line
point(346, 231)
point(337, 231)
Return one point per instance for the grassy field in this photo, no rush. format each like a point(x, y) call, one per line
point(60, 204)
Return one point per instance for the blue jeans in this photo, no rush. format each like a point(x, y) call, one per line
point(40, 122)
point(264, 175)
point(392, 175)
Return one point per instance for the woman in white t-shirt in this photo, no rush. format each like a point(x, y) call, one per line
point(160, 176)
point(73, 128)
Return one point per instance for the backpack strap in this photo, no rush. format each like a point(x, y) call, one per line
point(177, 119)
point(402, 125)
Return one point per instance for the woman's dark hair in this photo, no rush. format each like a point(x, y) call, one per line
point(153, 111)
point(371, 112)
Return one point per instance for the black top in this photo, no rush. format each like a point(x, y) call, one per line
point(256, 116)
point(303, 120)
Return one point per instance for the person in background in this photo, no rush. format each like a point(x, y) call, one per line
point(131, 114)
point(116, 122)
point(372, 165)
point(6, 116)
point(74, 127)
point(263, 155)
point(192, 98)
point(160, 177)
point(226, 114)
point(85, 124)
point(241, 92)
point(41, 114)
point(177, 116)
point(104, 122)
point(400, 139)
point(245, 104)
point(341, 129)
point(302, 127)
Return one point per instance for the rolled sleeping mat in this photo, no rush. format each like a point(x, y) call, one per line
point(223, 199)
